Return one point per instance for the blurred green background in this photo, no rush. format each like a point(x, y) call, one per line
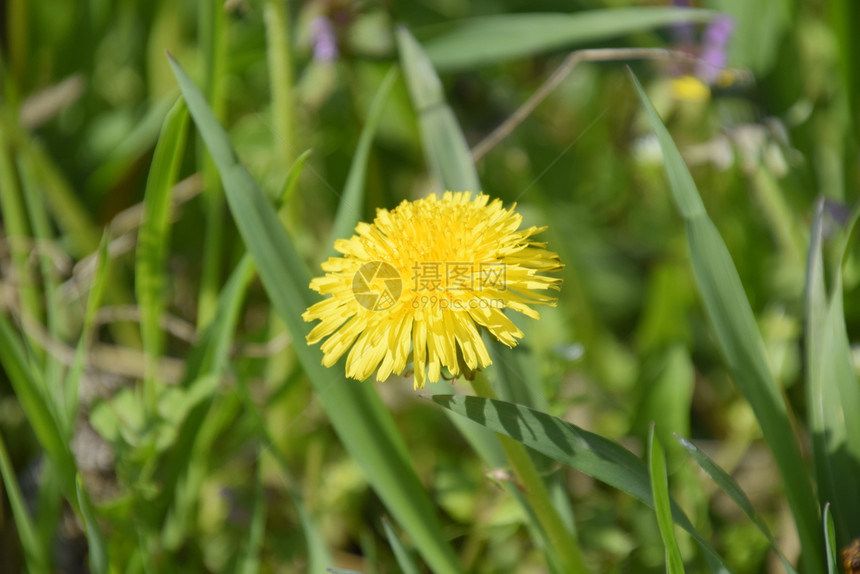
point(86, 87)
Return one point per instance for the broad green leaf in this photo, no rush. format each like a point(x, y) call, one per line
point(490, 39)
point(97, 550)
point(352, 200)
point(589, 453)
point(731, 488)
point(739, 339)
point(34, 553)
point(355, 411)
point(154, 235)
point(662, 504)
point(832, 387)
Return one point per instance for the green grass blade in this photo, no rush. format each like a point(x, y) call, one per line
point(830, 547)
point(76, 370)
point(63, 203)
point(25, 383)
point(318, 555)
point(352, 200)
point(43, 232)
point(444, 145)
point(34, 553)
point(250, 562)
point(844, 18)
point(832, 388)
point(291, 183)
point(98, 557)
point(739, 339)
point(208, 358)
point(355, 411)
point(16, 228)
point(733, 490)
point(212, 27)
point(662, 504)
point(491, 39)
point(276, 15)
point(589, 453)
point(154, 239)
point(401, 554)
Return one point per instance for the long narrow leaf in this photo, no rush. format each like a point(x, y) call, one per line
point(401, 553)
point(98, 557)
point(832, 389)
point(250, 563)
point(154, 235)
point(589, 453)
point(490, 39)
point(731, 488)
point(34, 554)
point(24, 380)
point(352, 200)
point(444, 145)
point(662, 504)
point(356, 412)
point(739, 339)
point(830, 541)
point(76, 370)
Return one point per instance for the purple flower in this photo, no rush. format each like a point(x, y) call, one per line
point(324, 40)
point(713, 56)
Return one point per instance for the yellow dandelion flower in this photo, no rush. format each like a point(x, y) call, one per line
point(422, 278)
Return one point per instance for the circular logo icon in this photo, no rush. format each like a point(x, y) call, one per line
point(377, 286)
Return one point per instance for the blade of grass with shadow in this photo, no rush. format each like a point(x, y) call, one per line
point(589, 453)
point(355, 410)
point(832, 387)
point(491, 39)
point(662, 503)
point(733, 490)
point(734, 326)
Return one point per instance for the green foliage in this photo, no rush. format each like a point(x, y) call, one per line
point(160, 410)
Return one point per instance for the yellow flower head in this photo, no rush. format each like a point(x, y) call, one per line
point(423, 277)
